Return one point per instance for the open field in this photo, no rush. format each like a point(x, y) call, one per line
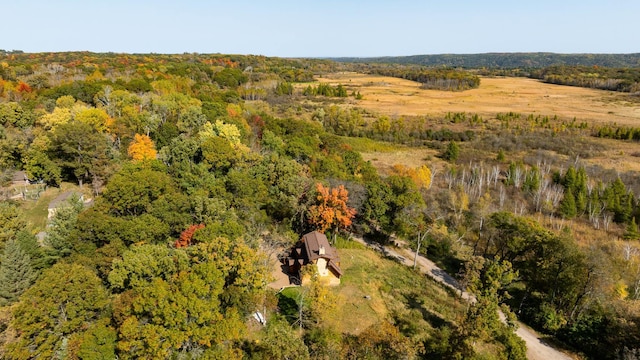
point(393, 96)
point(397, 97)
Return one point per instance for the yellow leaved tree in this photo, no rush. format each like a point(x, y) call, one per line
point(142, 148)
point(421, 176)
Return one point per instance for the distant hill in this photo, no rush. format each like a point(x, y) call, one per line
point(506, 60)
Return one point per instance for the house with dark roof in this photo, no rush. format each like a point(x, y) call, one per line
point(313, 249)
point(63, 200)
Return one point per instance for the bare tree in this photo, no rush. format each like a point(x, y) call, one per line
point(606, 220)
point(502, 196)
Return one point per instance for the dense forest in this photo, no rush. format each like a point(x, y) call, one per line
point(193, 173)
point(507, 60)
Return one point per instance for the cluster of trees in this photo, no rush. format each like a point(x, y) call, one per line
point(625, 79)
point(357, 122)
point(324, 89)
point(617, 132)
point(432, 78)
point(555, 286)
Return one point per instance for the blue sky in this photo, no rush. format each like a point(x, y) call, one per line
point(306, 28)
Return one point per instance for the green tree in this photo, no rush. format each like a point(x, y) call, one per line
point(30, 245)
point(98, 342)
point(280, 341)
point(376, 210)
point(16, 272)
point(632, 230)
point(135, 188)
point(173, 303)
point(39, 166)
point(451, 152)
point(406, 205)
point(481, 322)
point(569, 179)
point(568, 207)
point(531, 180)
point(11, 221)
point(79, 150)
point(379, 341)
point(58, 240)
point(284, 88)
point(65, 301)
point(286, 181)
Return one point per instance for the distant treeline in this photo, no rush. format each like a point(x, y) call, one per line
point(439, 79)
point(507, 60)
point(616, 79)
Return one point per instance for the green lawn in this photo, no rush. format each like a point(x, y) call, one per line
point(373, 288)
point(36, 211)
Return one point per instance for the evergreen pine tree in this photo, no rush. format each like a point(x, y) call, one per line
point(632, 231)
point(29, 244)
point(63, 222)
point(581, 202)
point(569, 179)
point(16, 273)
point(568, 206)
point(451, 152)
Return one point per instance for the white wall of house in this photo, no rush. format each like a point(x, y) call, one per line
point(323, 269)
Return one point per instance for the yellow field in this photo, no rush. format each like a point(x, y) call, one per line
point(393, 96)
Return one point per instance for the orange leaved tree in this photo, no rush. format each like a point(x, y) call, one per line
point(142, 148)
point(187, 235)
point(331, 211)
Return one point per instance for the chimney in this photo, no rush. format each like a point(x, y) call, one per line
point(321, 250)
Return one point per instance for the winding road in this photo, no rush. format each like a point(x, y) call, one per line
point(537, 349)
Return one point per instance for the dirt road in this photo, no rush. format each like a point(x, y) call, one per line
point(536, 348)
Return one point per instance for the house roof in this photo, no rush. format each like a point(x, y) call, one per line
point(62, 198)
point(335, 268)
point(314, 242)
point(310, 248)
point(19, 176)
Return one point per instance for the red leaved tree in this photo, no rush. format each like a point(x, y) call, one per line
point(331, 211)
point(187, 235)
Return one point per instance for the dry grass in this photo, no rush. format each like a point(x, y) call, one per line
point(396, 97)
point(393, 96)
point(411, 157)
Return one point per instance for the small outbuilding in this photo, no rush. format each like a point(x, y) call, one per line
point(63, 200)
point(314, 249)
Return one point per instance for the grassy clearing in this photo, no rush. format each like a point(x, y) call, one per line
point(36, 211)
point(375, 288)
point(407, 156)
point(392, 96)
point(365, 145)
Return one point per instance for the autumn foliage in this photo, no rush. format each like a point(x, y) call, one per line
point(187, 235)
point(23, 87)
point(142, 148)
point(421, 176)
point(331, 210)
